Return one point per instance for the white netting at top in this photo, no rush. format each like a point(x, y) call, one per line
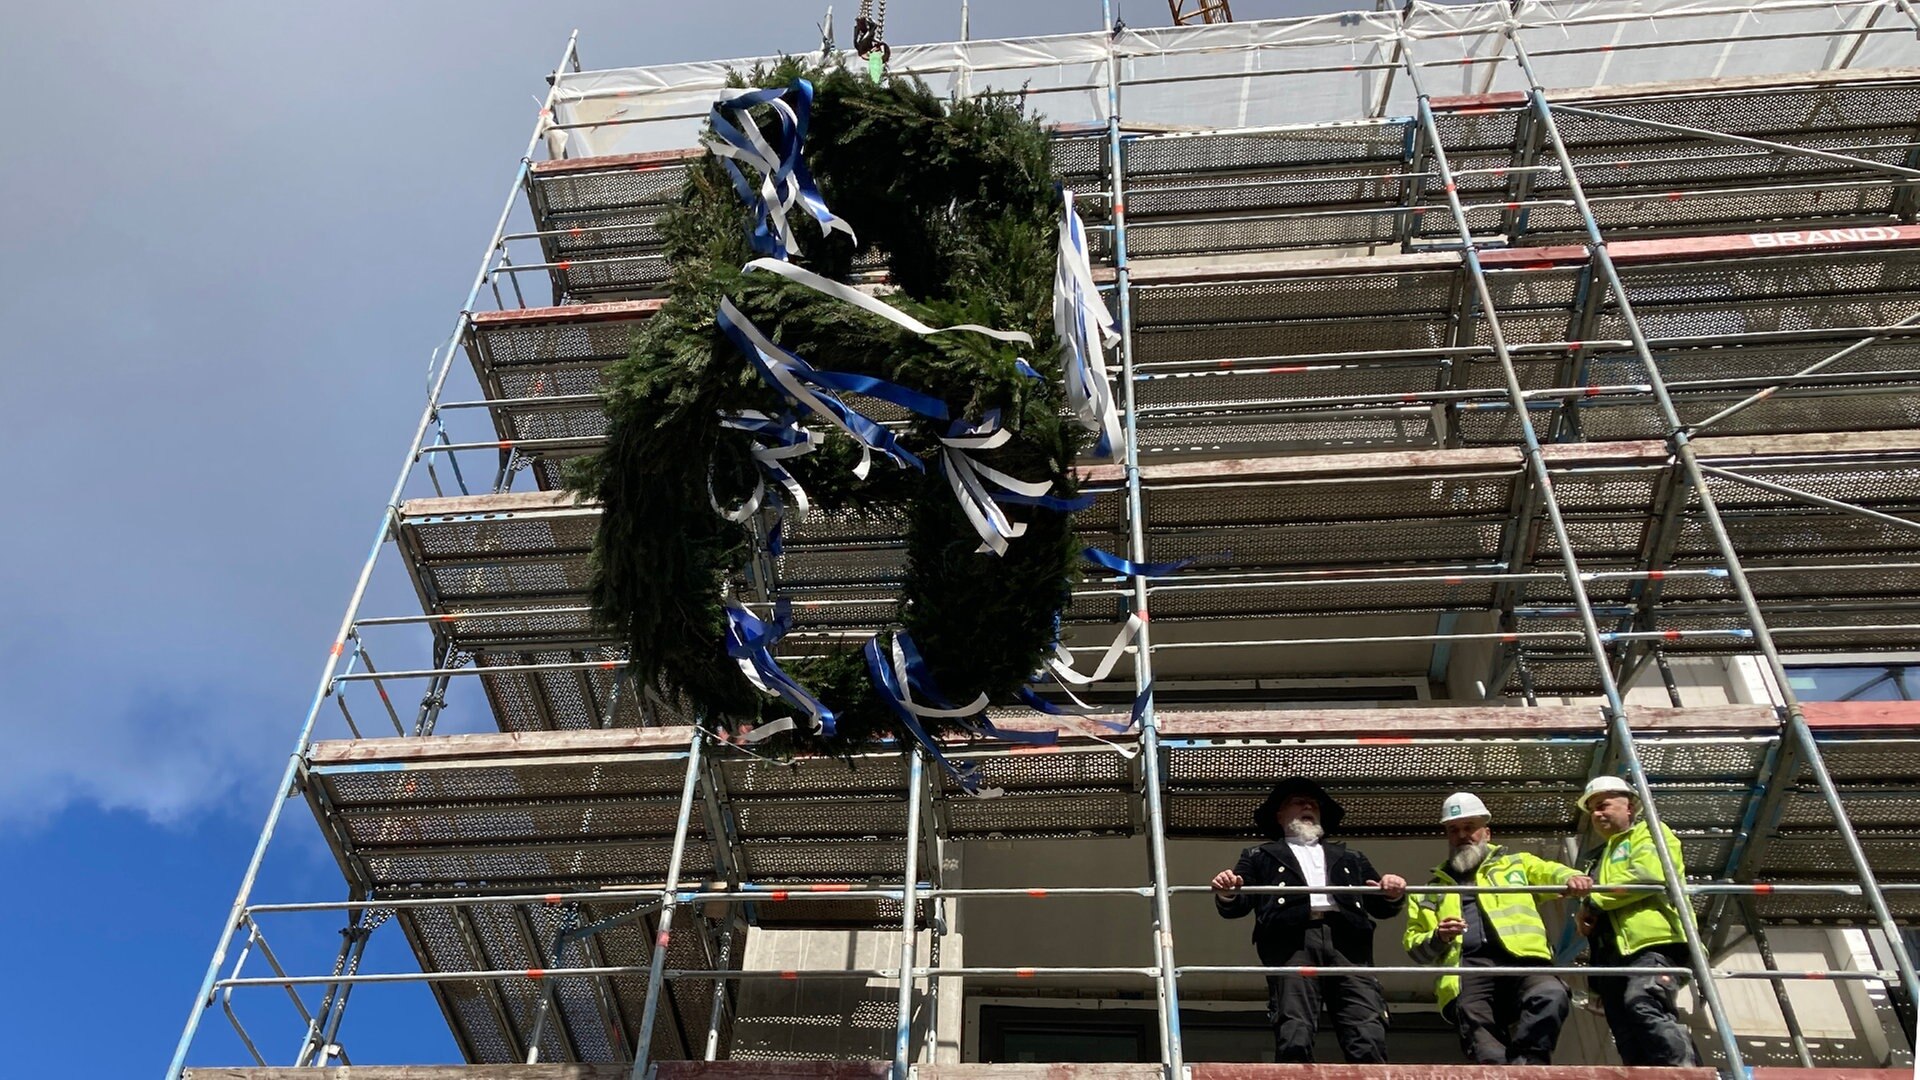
point(1317, 69)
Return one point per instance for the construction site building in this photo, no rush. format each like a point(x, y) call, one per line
point(1539, 383)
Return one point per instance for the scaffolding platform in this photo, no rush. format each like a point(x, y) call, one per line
point(598, 220)
point(1276, 356)
point(539, 812)
point(535, 365)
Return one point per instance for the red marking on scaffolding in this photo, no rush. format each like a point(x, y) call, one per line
point(1384, 740)
point(1036, 892)
point(1509, 637)
point(1289, 369)
point(1576, 346)
point(506, 444)
point(1451, 189)
point(662, 938)
point(1593, 390)
point(1144, 617)
point(609, 665)
point(1023, 973)
point(1674, 196)
point(536, 973)
point(337, 647)
point(562, 264)
point(1670, 635)
point(1409, 397)
point(1309, 973)
point(1513, 206)
point(1656, 575)
point(1226, 363)
point(1349, 67)
point(546, 112)
point(377, 685)
point(550, 899)
point(1499, 174)
point(1119, 209)
point(790, 975)
point(575, 231)
point(1816, 974)
point(1761, 888)
point(1454, 580)
point(777, 895)
point(1606, 48)
point(831, 886)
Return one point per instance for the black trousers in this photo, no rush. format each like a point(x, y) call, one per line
point(1640, 1011)
point(1509, 1019)
point(1358, 1005)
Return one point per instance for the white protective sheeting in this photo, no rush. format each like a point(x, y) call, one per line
point(1318, 69)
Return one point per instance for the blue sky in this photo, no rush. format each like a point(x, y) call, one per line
point(232, 235)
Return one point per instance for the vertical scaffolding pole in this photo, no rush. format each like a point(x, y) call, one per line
point(1797, 731)
point(909, 903)
point(291, 775)
point(656, 969)
point(1167, 985)
point(1615, 708)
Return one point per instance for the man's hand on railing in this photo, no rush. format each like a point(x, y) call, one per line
point(1227, 884)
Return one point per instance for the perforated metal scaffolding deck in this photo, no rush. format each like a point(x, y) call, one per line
point(474, 815)
point(1374, 536)
point(536, 365)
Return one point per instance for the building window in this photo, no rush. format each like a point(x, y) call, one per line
point(1855, 682)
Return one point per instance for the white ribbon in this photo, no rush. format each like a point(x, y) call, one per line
point(906, 690)
point(1060, 665)
point(849, 294)
point(1084, 326)
point(778, 197)
point(768, 458)
point(776, 362)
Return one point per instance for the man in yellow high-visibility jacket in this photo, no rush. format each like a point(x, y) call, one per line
point(1637, 929)
point(1502, 1019)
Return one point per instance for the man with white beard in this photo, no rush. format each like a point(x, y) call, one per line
point(1318, 930)
point(1502, 1019)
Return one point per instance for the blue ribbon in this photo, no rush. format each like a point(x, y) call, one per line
point(1108, 560)
point(920, 680)
point(750, 641)
point(881, 668)
point(863, 428)
point(788, 173)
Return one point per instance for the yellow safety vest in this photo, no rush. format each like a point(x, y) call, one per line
point(1512, 918)
point(1640, 920)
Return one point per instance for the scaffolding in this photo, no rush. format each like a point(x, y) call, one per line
point(1521, 397)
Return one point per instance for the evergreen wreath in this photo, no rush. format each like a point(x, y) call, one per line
point(955, 199)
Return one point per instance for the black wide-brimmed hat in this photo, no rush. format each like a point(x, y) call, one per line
point(1267, 816)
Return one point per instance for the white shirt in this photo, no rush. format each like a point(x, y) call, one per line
point(1313, 863)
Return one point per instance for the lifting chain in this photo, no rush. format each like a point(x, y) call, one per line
point(870, 31)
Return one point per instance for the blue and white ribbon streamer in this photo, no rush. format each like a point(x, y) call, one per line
point(1085, 328)
point(897, 686)
point(750, 642)
point(873, 306)
point(789, 440)
point(784, 179)
point(796, 380)
point(971, 483)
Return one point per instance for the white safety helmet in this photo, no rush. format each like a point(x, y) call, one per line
point(1604, 785)
point(1463, 804)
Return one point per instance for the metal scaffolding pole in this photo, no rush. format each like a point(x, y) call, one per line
point(1167, 982)
point(295, 761)
point(1615, 708)
point(669, 899)
point(1795, 718)
point(909, 932)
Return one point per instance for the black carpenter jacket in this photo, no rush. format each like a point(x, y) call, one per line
point(1280, 921)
